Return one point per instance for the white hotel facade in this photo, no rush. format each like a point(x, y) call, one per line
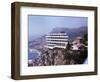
point(56, 40)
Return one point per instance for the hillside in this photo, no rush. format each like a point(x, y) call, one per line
point(72, 33)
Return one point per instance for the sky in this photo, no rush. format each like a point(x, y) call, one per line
point(41, 25)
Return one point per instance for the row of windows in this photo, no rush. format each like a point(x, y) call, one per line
point(51, 42)
point(57, 37)
point(59, 44)
point(59, 40)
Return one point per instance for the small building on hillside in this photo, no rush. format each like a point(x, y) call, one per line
point(77, 44)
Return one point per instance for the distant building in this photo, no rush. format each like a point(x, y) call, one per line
point(77, 44)
point(56, 40)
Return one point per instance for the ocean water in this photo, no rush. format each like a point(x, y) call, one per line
point(32, 55)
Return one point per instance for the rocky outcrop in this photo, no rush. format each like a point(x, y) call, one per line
point(60, 57)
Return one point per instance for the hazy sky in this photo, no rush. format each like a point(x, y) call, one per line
point(40, 25)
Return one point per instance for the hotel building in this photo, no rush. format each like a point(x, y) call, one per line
point(56, 40)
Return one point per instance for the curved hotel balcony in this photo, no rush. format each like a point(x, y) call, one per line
point(56, 40)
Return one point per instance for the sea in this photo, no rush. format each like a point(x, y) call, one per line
point(32, 55)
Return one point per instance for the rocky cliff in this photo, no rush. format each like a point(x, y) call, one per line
point(60, 57)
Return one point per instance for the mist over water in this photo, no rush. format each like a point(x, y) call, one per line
point(32, 55)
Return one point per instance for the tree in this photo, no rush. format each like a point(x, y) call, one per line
point(85, 39)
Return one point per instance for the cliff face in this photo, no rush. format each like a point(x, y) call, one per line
point(54, 57)
point(60, 57)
